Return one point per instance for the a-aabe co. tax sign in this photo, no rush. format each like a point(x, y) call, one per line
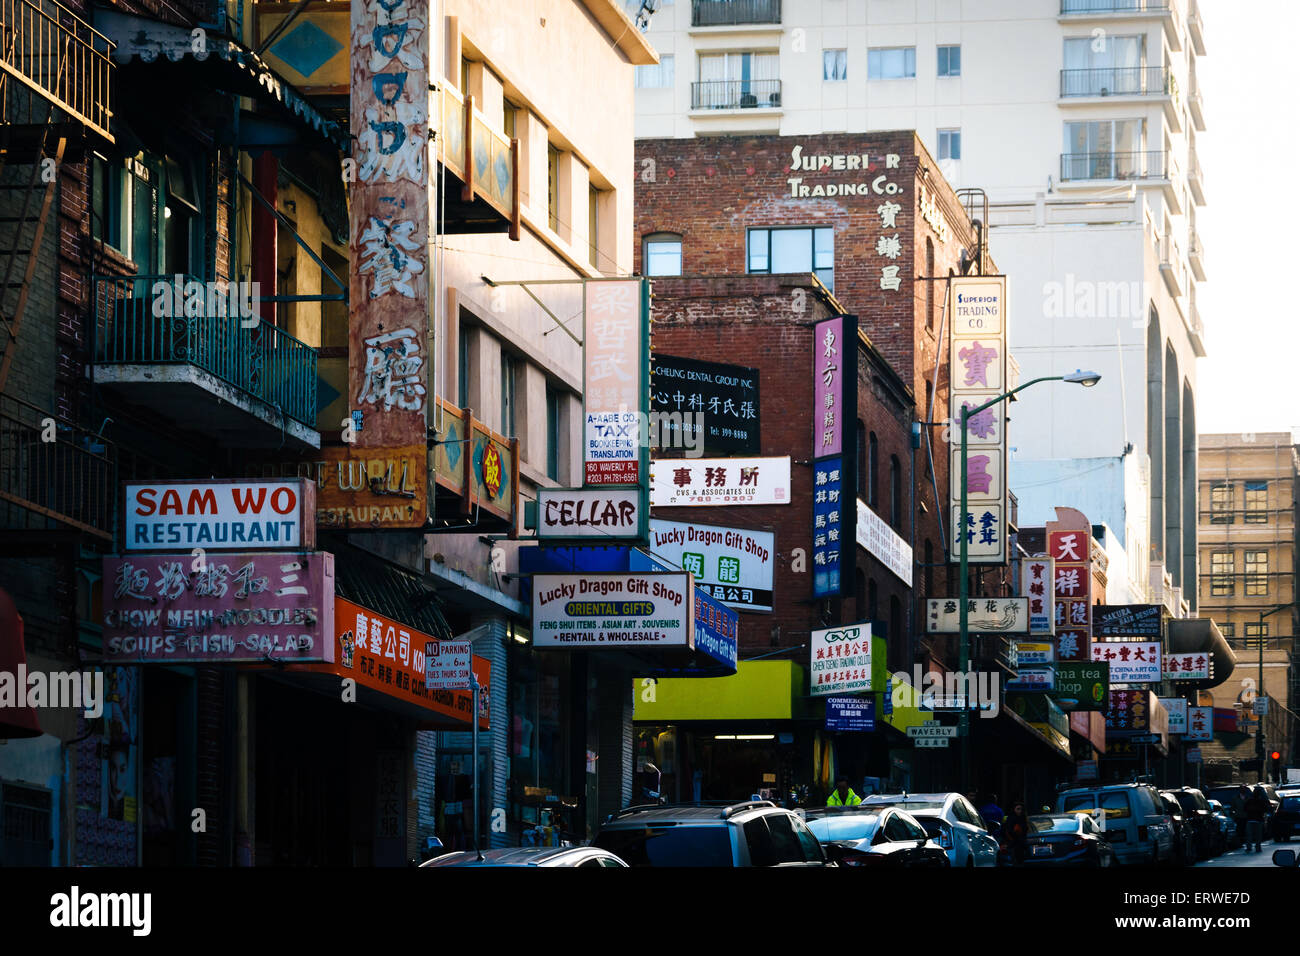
point(217, 515)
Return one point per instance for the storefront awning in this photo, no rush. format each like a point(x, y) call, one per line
point(759, 690)
point(364, 578)
point(218, 63)
point(20, 720)
point(1201, 636)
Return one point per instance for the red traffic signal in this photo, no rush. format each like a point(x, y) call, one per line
point(1276, 755)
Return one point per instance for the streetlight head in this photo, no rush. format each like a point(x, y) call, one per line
point(1086, 379)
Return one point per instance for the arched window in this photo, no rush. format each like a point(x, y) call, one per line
point(897, 640)
point(862, 459)
point(872, 478)
point(895, 493)
point(662, 255)
point(860, 594)
point(873, 608)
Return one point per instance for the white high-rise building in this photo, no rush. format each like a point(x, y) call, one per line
point(1079, 120)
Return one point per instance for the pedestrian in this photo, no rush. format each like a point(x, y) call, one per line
point(843, 795)
point(1256, 812)
point(991, 812)
point(1015, 831)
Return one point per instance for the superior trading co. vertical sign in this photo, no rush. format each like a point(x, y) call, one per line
point(388, 222)
point(834, 411)
point(979, 374)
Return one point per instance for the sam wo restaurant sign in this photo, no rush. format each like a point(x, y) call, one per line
point(225, 608)
point(219, 515)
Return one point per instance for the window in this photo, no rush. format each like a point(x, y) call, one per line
point(759, 839)
point(873, 600)
point(949, 144)
point(1256, 502)
point(1229, 630)
point(895, 493)
point(862, 459)
point(892, 63)
point(662, 255)
point(860, 594)
point(785, 844)
point(462, 367)
point(873, 454)
point(507, 394)
point(1103, 69)
point(737, 81)
point(835, 64)
point(794, 250)
point(656, 76)
point(1256, 573)
point(1105, 149)
point(950, 61)
point(553, 176)
point(552, 434)
point(1257, 630)
point(1221, 572)
point(510, 116)
point(593, 222)
point(1221, 504)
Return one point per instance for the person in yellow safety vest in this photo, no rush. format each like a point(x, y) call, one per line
point(843, 795)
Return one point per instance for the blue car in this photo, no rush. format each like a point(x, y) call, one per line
point(1066, 839)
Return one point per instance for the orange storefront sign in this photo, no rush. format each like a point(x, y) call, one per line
point(383, 655)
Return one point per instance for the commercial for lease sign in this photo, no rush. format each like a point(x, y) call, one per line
point(731, 565)
point(654, 608)
point(678, 482)
point(219, 515)
point(221, 608)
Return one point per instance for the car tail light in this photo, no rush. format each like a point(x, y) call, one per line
point(944, 839)
point(856, 858)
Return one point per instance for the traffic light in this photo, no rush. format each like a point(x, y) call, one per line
point(1276, 757)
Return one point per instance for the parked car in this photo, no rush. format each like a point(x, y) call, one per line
point(1184, 839)
point(1286, 821)
point(750, 833)
point(1230, 797)
point(1066, 839)
point(1199, 818)
point(1132, 818)
point(1229, 832)
point(875, 836)
point(951, 821)
point(530, 856)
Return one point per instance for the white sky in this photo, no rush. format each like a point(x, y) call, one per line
point(1249, 379)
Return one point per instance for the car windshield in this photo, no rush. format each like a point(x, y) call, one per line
point(1053, 824)
point(846, 826)
point(669, 846)
point(908, 803)
point(1291, 804)
point(1187, 802)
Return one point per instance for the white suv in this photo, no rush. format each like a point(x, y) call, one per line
point(951, 821)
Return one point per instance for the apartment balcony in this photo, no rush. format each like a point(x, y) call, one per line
point(1195, 179)
point(1195, 327)
point(1109, 11)
point(53, 474)
point(1173, 268)
point(733, 13)
point(1124, 85)
point(59, 60)
point(240, 381)
point(1146, 167)
point(1195, 28)
point(1196, 255)
point(736, 95)
point(485, 164)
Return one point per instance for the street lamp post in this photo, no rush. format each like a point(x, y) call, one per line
point(1259, 729)
point(1087, 380)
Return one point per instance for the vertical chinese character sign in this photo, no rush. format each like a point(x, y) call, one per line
point(1069, 546)
point(1037, 584)
point(616, 395)
point(389, 217)
point(978, 370)
point(834, 431)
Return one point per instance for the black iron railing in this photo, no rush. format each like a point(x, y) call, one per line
point(735, 94)
point(1117, 81)
point(1140, 164)
point(1114, 6)
point(720, 13)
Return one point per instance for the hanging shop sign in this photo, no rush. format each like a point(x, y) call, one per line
point(1188, 666)
point(1200, 723)
point(989, 615)
point(832, 553)
point(1177, 709)
point(875, 534)
point(850, 714)
point(591, 514)
point(1032, 679)
point(387, 656)
point(841, 659)
point(717, 629)
point(389, 216)
point(733, 565)
point(705, 405)
point(978, 362)
point(219, 515)
point(1036, 585)
point(834, 421)
point(615, 394)
point(1081, 685)
point(219, 608)
point(1032, 653)
point(1128, 620)
point(685, 482)
point(1131, 662)
point(1069, 547)
point(613, 610)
